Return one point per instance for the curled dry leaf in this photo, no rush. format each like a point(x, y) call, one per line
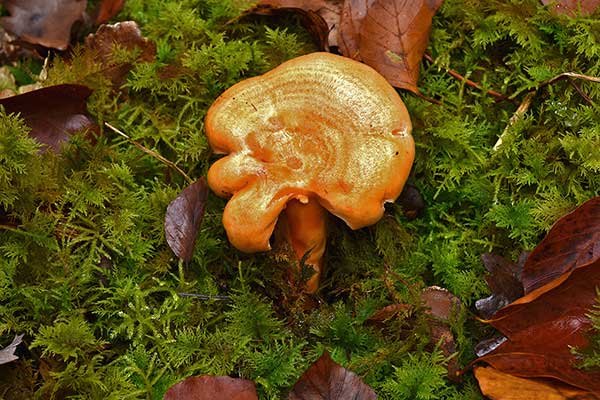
point(326, 379)
point(320, 17)
point(208, 387)
point(7, 354)
point(389, 35)
point(183, 218)
point(573, 7)
point(43, 22)
point(498, 385)
point(53, 113)
point(101, 45)
point(572, 242)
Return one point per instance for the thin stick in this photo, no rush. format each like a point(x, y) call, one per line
point(455, 74)
point(151, 152)
point(581, 92)
point(571, 75)
point(205, 296)
point(521, 110)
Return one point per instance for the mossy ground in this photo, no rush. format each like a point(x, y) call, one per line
point(88, 277)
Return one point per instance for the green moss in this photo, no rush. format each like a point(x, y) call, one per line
point(86, 274)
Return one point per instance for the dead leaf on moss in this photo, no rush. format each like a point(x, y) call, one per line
point(498, 385)
point(100, 46)
point(183, 218)
point(43, 22)
point(573, 7)
point(107, 9)
point(7, 354)
point(53, 113)
point(574, 240)
point(504, 280)
point(320, 17)
point(326, 379)
point(543, 326)
point(208, 387)
point(389, 35)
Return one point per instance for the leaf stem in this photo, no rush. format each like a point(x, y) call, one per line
point(152, 153)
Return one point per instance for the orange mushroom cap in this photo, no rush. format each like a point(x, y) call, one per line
point(318, 128)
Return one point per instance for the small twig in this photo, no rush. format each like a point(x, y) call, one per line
point(429, 99)
point(581, 92)
point(455, 74)
point(521, 110)
point(205, 296)
point(151, 152)
point(571, 75)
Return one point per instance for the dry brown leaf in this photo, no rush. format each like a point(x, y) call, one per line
point(329, 10)
point(327, 380)
point(573, 7)
point(574, 240)
point(101, 45)
point(43, 22)
point(183, 218)
point(53, 113)
point(500, 386)
point(208, 387)
point(389, 35)
point(504, 280)
point(108, 9)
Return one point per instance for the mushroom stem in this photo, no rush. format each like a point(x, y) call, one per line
point(303, 225)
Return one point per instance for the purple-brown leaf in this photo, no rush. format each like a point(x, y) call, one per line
point(53, 113)
point(43, 22)
point(183, 218)
point(208, 387)
point(573, 241)
point(327, 380)
point(504, 281)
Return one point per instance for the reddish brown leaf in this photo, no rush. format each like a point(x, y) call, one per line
point(320, 17)
point(53, 113)
point(442, 306)
point(542, 327)
point(504, 281)
point(208, 387)
point(183, 218)
point(389, 35)
point(43, 22)
point(327, 380)
point(108, 9)
point(573, 241)
point(388, 312)
point(127, 35)
point(498, 385)
point(573, 7)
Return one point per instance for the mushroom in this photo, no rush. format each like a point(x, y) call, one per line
point(319, 132)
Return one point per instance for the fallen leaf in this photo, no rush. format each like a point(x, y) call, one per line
point(208, 387)
point(43, 22)
point(183, 218)
point(320, 17)
point(574, 240)
point(388, 312)
point(7, 354)
point(52, 113)
point(389, 35)
point(108, 9)
point(327, 380)
point(504, 281)
point(101, 45)
point(498, 385)
point(442, 306)
point(543, 326)
point(572, 7)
